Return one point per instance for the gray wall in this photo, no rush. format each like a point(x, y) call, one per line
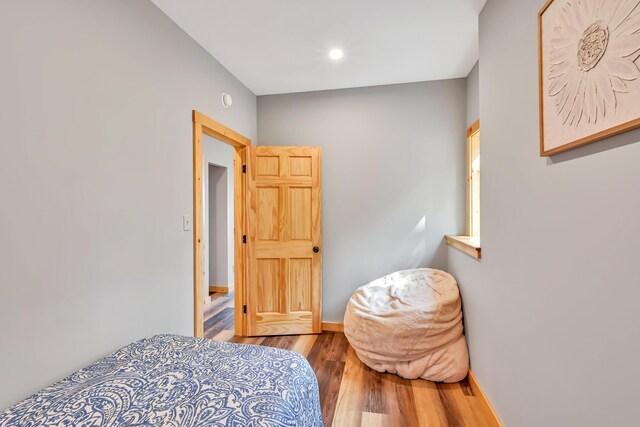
point(551, 310)
point(217, 226)
point(96, 174)
point(393, 175)
point(473, 95)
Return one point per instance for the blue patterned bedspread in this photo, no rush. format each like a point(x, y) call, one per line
point(170, 380)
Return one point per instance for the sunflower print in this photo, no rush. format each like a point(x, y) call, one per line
point(594, 52)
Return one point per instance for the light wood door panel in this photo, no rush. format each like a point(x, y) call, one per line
point(268, 275)
point(269, 208)
point(284, 223)
point(300, 166)
point(268, 166)
point(300, 295)
point(299, 224)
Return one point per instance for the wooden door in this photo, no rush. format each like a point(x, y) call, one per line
point(284, 241)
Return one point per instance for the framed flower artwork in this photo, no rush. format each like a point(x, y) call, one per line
point(589, 58)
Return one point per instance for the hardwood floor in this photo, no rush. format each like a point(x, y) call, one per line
point(352, 394)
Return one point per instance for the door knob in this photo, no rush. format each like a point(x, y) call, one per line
point(316, 249)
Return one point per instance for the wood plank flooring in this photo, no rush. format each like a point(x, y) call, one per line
point(352, 394)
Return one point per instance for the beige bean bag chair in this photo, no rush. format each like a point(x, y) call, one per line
point(410, 323)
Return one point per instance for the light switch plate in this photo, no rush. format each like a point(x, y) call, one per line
point(186, 222)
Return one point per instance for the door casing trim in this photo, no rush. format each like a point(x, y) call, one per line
point(207, 126)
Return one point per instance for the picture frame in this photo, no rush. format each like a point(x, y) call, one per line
point(589, 71)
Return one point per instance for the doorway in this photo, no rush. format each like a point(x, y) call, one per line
point(218, 227)
point(204, 127)
point(277, 235)
point(218, 311)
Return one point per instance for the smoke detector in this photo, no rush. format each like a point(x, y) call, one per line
point(226, 100)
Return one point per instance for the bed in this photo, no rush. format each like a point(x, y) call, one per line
point(171, 380)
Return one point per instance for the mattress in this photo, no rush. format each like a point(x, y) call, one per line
point(171, 380)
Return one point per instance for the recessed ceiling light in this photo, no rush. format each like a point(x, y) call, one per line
point(336, 54)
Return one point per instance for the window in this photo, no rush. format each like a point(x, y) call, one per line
point(470, 242)
point(473, 181)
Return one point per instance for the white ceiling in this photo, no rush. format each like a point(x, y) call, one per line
point(282, 46)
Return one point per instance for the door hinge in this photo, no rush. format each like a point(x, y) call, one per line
point(244, 309)
point(244, 239)
point(244, 168)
